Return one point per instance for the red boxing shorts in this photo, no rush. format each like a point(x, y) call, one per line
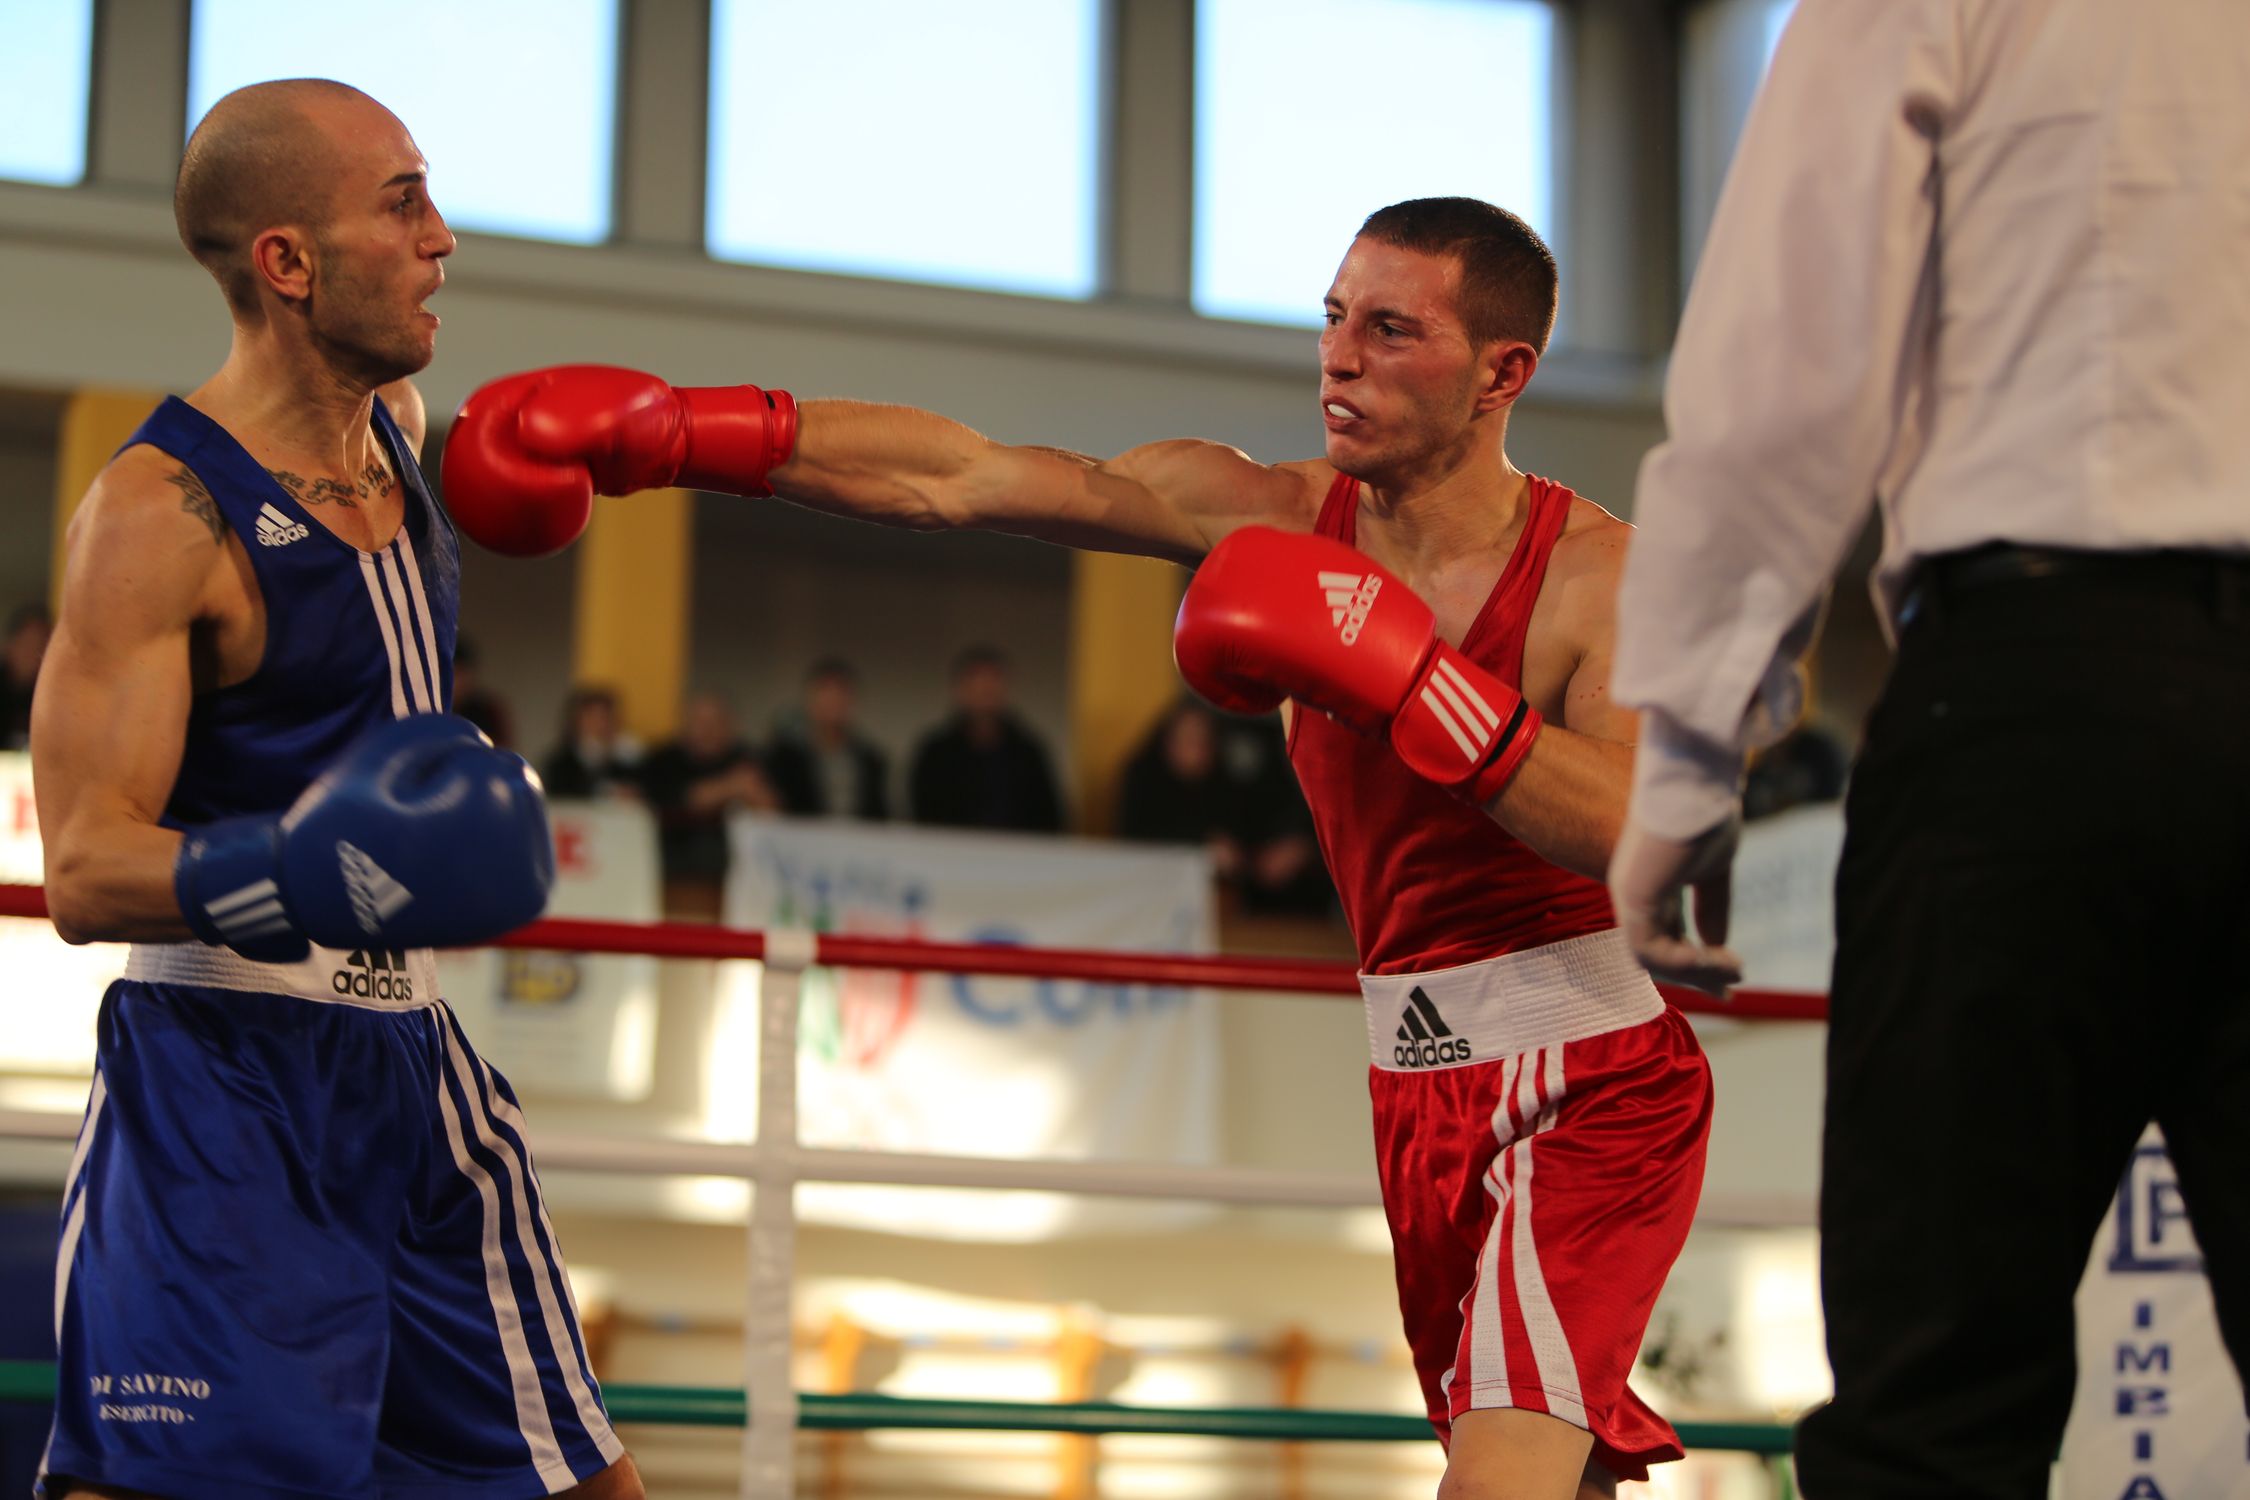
point(1540, 1124)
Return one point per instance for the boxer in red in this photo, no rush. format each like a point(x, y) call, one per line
point(1442, 622)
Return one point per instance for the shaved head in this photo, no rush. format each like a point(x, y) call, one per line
point(265, 155)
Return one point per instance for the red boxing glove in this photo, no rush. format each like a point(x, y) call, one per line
point(1280, 614)
point(528, 453)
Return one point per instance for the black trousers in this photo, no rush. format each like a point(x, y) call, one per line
point(2043, 941)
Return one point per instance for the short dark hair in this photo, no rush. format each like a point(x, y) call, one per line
point(1507, 271)
point(832, 669)
point(979, 655)
point(587, 695)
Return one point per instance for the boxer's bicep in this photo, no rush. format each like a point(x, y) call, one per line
point(1172, 500)
point(1588, 708)
point(1592, 564)
point(1207, 490)
point(110, 718)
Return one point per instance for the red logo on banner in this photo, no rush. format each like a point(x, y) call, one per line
point(574, 854)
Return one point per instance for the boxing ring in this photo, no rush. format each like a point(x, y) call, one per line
point(768, 1408)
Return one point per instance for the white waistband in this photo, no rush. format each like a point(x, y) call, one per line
point(378, 978)
point(1480, 1012)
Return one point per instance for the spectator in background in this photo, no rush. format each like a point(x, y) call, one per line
point(694, 783)
point(982, 768)
point(596, 757)
point(1225, 784)
point(20, 654)
point(476, 701)
point(822, 766)
point(1176, 791)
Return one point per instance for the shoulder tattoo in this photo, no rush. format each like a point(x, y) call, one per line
point(197, 501)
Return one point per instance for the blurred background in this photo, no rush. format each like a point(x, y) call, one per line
point(1084, 223)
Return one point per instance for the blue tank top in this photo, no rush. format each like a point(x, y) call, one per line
point(352, 638)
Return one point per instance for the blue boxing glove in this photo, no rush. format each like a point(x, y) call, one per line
point(421, 835)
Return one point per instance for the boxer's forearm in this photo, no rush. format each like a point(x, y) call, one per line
point(113, 884)
point(899, 466)
point(894, 465)
point(1567, 800)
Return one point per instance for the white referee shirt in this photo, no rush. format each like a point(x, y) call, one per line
point(1983, 262)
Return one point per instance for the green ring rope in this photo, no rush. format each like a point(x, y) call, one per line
point(703, 1406)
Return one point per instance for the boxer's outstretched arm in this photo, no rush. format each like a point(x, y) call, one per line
point(528, 453)
point(904, 467)
point(109, 723)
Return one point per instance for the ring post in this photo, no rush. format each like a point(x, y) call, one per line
point(769, 1441)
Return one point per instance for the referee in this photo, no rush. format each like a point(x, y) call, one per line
point(1985, 263)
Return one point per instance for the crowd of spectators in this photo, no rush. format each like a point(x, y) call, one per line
point(1200, 777)
point(1203, 779)
point(982, 767)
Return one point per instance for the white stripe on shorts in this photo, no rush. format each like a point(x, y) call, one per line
point(545, 1273)
point(523, 1375)
point(1550, 1346)
point(1488, 1345)
point(75, 1223)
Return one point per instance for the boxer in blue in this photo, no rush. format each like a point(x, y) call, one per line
point(303, 1250)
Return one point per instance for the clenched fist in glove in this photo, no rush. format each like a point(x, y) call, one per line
point(528, 453)
point(1281, 614)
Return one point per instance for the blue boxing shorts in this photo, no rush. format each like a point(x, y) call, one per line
point(303, 1248)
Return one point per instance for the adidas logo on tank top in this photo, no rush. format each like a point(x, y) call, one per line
point(277, 530)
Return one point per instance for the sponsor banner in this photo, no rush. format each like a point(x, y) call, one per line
point(573, 1025)
point(1784, 918)
point(52, 991)
point(972, 1065)
point(2158, 1415)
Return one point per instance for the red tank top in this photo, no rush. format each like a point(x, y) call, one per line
point(1428, 881)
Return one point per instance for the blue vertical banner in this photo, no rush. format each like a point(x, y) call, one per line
point(2159, 1413)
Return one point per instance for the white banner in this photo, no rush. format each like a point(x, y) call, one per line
point(977, 1066)
point(1784, 917)
point(573, 1025)
point(51, 991)
point(2158, 1414)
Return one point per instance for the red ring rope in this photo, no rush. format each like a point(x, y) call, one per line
point(1304, 976)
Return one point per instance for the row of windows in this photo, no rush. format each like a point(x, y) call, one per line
point(959, 144)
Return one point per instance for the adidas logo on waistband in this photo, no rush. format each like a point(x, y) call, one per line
point(373, 974)
point(275, 529)
point(1424, 1040)
point(1350, 597)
